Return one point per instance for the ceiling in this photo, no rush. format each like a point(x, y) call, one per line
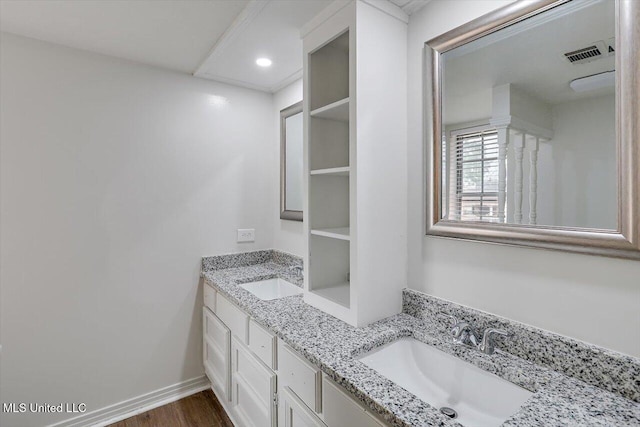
point(410, 6)
point(213, 39)
point(177, 35)
point(265, 29)
point(530, 57)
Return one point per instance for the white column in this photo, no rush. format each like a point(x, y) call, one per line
point(517, 191)
point(503, 142)
point(533, 182)
point(452, 181)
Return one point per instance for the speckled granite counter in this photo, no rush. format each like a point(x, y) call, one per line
point(558, 400)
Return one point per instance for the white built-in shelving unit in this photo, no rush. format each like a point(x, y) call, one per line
point(356, 250)
point(341, 233)
point(338, 111)
point(343, 171)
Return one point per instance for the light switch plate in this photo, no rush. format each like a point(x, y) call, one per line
point(246, 235)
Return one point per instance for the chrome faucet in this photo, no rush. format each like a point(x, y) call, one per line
point(487, 345)
point(463, 333)
point(297, 269)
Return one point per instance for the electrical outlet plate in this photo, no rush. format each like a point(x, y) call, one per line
point(246, 235)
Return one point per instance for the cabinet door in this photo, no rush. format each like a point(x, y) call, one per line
point(217, 353)
point(304, 378)
point(263, 344)
point(294, 413)
point(341, 410)
point(232, 316)
point(253, 388)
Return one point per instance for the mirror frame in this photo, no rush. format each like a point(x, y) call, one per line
point(291, 110)
point(621, 243)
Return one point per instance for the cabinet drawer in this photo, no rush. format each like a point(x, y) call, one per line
point(210, 298)
point(303, 378)
point(263, 344)
point(216, 353)
point(340, 409)
point(235, 319)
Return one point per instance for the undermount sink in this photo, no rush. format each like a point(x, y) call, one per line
point(475, 397)
point(272, 289)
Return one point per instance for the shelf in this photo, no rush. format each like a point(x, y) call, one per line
point(341, 233)
point(338, 110)
point(338, 294)
point(343, 171)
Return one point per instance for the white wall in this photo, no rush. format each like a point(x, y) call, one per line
point(594, 299)
point(578, 167)
point(115, 179)
point(288, 235)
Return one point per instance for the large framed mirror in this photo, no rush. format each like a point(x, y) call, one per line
point(291, 172)
point(533, 127)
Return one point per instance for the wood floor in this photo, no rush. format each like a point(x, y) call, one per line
point(198, 410)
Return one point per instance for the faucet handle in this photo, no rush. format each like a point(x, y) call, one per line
point(487, 345)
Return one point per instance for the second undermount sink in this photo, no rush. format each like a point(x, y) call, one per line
point(474, 397)
point(271, 289)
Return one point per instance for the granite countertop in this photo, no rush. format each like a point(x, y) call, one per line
point(332, 345)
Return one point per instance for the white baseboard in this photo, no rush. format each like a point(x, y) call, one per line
point(137, 405)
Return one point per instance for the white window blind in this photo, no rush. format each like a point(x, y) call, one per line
point(476, 176)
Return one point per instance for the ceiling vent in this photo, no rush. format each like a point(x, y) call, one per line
point(586, 54)
point(591, 53)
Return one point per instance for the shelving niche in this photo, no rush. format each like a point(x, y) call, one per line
point(344, 206)
point(329, 171)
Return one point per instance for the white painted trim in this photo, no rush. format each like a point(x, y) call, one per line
point(519, 125)
point(242, 21)
point(287, 81)
point(282, 84)
point(414, 5)
point(137, 405)
point(324, 15)
point(383, 5)
point(389, 8)
point(235, 82)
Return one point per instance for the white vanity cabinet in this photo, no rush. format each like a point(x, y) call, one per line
point(239, 359)
point(309, 398)
point(263, 382)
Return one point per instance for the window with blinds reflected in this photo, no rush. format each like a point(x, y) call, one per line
point(473, 175)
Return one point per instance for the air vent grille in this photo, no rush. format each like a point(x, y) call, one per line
point(586, 54)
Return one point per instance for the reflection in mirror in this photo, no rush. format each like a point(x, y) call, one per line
point(529, 122)
point(535, 134)
point(291, 173)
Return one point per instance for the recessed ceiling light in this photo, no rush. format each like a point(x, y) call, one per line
point(263, 62)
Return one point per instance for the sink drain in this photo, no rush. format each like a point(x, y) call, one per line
point(449, 412)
